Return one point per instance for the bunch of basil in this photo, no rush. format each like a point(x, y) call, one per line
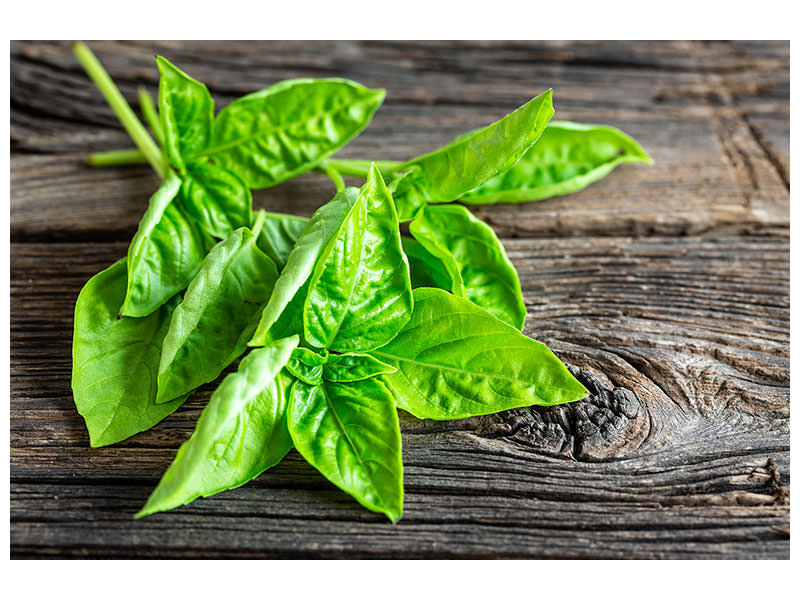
point(347, 320)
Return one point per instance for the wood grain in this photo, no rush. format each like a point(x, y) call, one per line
point(665, 289)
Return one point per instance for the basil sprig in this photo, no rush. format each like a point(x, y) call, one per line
point(342, 320)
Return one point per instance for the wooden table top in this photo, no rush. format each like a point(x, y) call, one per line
point(667, 286)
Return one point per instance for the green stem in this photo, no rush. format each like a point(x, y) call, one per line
point(360, 168)
point(260, 216)
point(151, 115)
point(115, 158)
point(122, 109)
point(325, 167)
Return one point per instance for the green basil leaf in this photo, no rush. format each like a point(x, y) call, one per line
point(219, 312)
point(475, 259)
point(241, 433)
point(165, 253)
point(426, 269)
point(360, 293)
point(354, 367)
point(278, 235)
point(115, 360)
point(288, 128)
point(306, 365)
point(455, 360)
point(468, 161)
point(187, 113)
point(322, 227)
point(216, 199)
point(350, 433)
point(567, 158)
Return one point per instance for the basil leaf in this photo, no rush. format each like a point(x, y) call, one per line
point(322, 227)
point(360, 293)
point(216, 199)
point(306, 365)
point(455, 360)
point(426, 269)
point(354, 367)
point(278, 235)
point(350, 433)
point(468, 161)
point(165, 252)
point(218, 314)
point(187, 113)
point(115, 359)
point(288, 128)
point(474, 258)
point(567, 158)
point(241, 433)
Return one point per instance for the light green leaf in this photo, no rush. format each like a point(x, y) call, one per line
point(241, 433)
point(455, 360)
point(288, 128)
point(350, 433)
point(475, 259)
point(354, 367)
point(468, 161)
point(306, 365)
point(216, 199)
point(278, 235)
point(360, 293)
point(187, 113)
point(219, 312)
point(165, 252)
point(567, 158)
point(322, 227)
point(115, 361)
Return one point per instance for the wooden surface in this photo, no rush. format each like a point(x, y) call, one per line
point(666, 288)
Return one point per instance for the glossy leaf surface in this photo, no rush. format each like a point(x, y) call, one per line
point(165, 253)
point(241, 432)
point(426, 269)
point(115, 361)
point(354, 367)
point(350, 433)
point(567, 158)
point(322, 227)
point(218, 315)
point(475, 259)
point(360, 293)
point(216, 199)
point(187, 112)
point(307, 366)
point(278, 235)
point(468, 161)
point(455, 360)
point(288, 128)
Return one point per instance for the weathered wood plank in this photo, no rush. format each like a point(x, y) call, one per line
point(566, 481)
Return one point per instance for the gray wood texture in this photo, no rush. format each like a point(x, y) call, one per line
point(665, 288)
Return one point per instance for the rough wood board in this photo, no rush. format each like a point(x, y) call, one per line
point(682, 449)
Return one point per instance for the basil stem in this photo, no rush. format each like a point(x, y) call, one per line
point(116, 158)
point(151, 115)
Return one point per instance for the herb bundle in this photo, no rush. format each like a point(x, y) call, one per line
point(340, 319)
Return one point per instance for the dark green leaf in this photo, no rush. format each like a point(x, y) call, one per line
point(187, 113)
point(165, 253)
point(360, 293)
point(241, 433)
point(354, 367)
point(474, 258)
point(216, 199)
point(322, 227)
point(287, 129)
point(219, 312)
point(426, 269)
point(455, 360)
point(468, 161)
point(278, 235)
point(350, 433)
point(567, 158)
point(115, 361)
